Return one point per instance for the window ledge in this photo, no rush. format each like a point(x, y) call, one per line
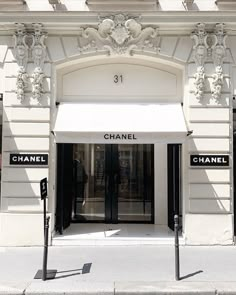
point(225, 2)
point(122, 2)
point(11, 2)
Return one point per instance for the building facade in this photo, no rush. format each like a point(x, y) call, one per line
point(126, 107)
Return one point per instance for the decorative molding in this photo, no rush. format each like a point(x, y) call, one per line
point(21, 48)
point(39, 53)
point(218, 55)
point(200, 53)
point(38, 47)
point(219, 46)
point(200, 49)
point(21, 83)
point(119, 34)
point(21, 52)
point(218, 81)
point(199, 82)
point(37, 83)
point(30, 44)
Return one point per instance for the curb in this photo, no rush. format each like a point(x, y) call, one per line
point(52, 287)
point(162, 288)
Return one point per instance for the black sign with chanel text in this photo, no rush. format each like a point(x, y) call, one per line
point(29, 159)
point(209, 160)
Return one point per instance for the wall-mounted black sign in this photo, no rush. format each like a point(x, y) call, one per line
point(29, 159)
point(43, 188)
point(209, 160)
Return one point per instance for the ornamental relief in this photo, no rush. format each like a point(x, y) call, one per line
point(21, 52)
point(218, 55)
point(218, 81)
point(119, 34)
point(29, 45)
point(38, 54)
point(211, 47)
point(200, 52)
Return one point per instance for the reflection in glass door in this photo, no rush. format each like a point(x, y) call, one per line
point(135, 188)
point(113, 183)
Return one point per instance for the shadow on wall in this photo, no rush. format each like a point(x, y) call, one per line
point(210, 188)
point(21, 183)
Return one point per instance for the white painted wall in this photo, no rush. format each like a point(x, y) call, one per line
point(208, 196)
point(160, 188)
point(207, 191)
point(132, 81)
point(26, 128)
point(142, 81)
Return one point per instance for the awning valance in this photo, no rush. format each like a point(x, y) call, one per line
point(120, 123)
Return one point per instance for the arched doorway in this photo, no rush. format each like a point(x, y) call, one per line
point(121, 181)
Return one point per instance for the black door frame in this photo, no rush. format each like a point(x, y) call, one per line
point(64, 186)
point(65, 163)
point(112, 178)
point(234, 178)
point(174, 183)
point(111, 183)
point(64, 196)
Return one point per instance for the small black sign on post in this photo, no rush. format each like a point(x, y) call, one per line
point(44, 194)
point(43, 188)
point(45, 273)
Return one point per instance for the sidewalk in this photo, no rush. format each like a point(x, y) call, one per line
point(119, 270)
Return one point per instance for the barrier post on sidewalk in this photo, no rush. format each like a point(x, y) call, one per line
point(45, 252)
point(176, 223)
point(44, 273)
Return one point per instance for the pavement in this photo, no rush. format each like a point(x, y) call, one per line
point(119, 270)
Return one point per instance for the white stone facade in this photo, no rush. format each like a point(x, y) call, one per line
point(57, 56)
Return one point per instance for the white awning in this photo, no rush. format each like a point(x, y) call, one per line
point(120, 123)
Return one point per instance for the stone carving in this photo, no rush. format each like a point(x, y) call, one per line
point(218, 80)
point(219, 46)
point(199, 82)
point(30, 44)
point(21, 51)
point(218, 55)
point(38, 47)
point(200, 52)
point(200, 49)
point(21, 83)
point(119, 34)
point(37, 83)
point(38, 54)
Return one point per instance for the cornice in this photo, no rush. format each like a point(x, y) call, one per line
point(68, 21)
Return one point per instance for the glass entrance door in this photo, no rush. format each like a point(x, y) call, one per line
point(113, 183)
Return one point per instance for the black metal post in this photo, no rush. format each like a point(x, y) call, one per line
point(44, 214)
point(44, 273)
point(45, 252)
point(176, 221)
